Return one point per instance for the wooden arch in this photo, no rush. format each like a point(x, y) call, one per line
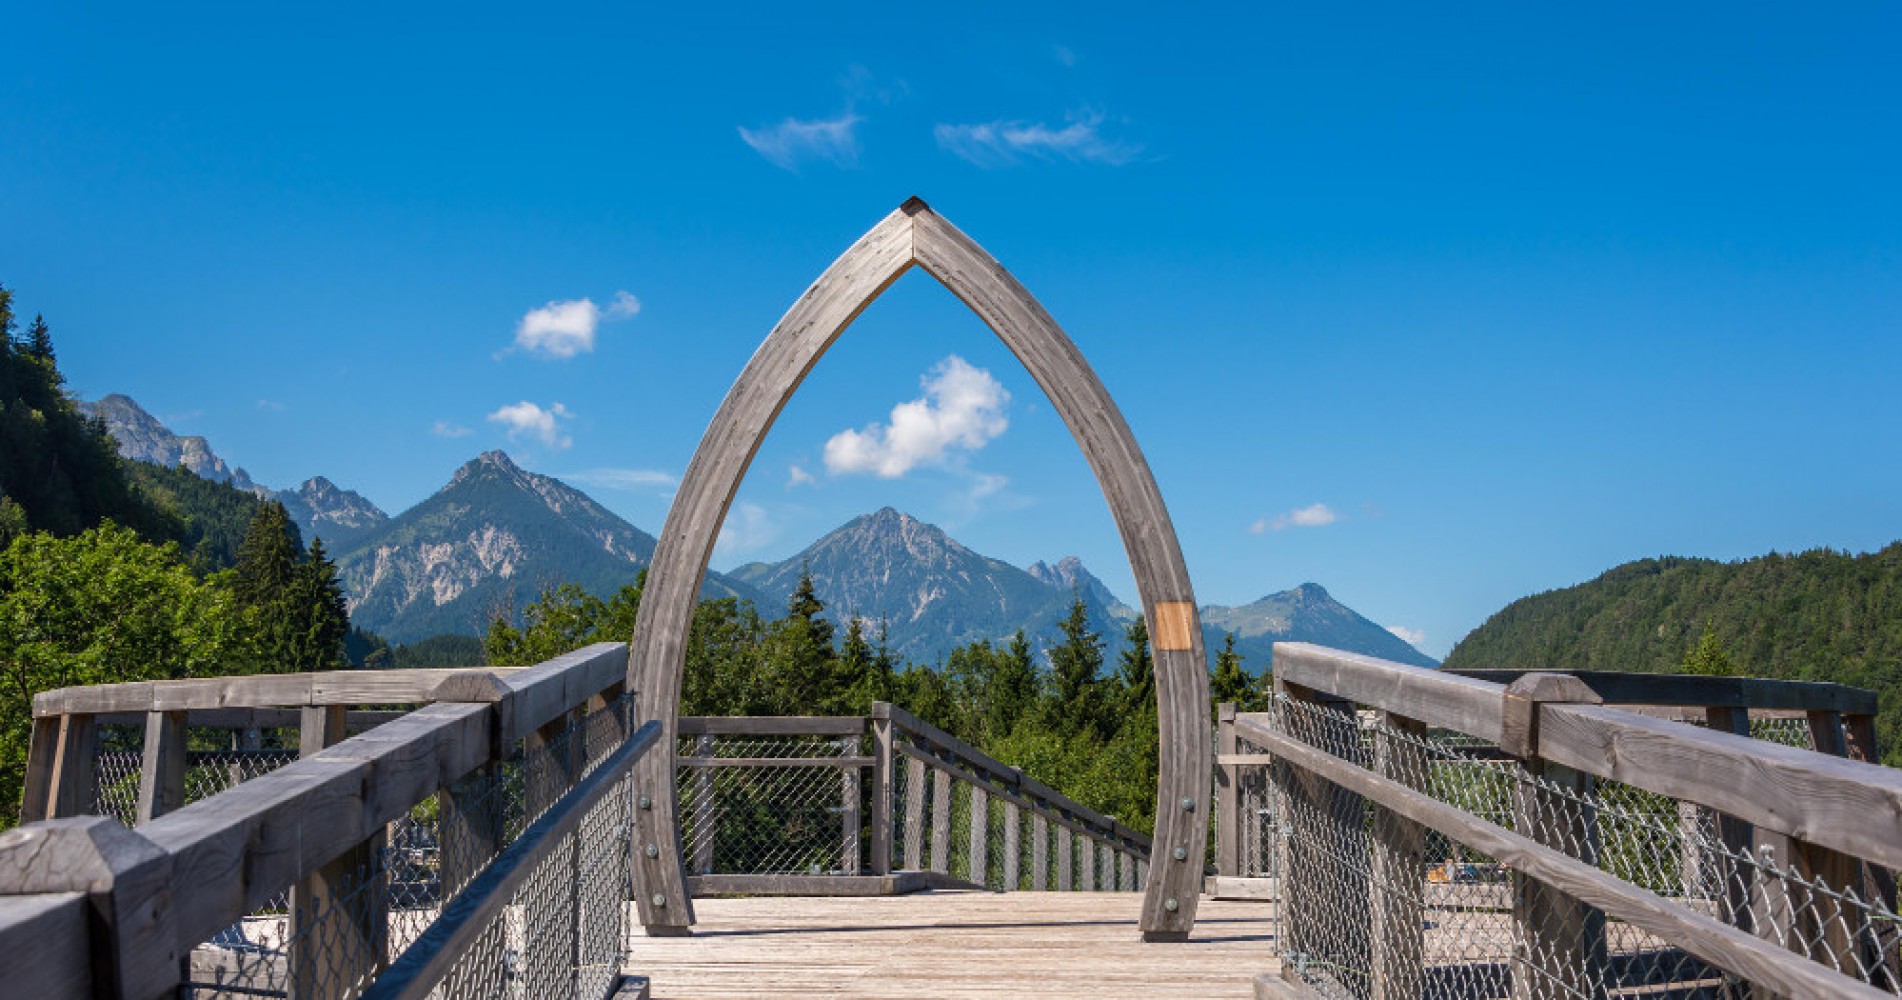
point(915, 235)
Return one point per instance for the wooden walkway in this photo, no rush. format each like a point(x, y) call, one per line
point(953, 944)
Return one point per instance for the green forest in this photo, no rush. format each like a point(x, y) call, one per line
point(1819, 616)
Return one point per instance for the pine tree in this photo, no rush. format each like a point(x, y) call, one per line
point(1138, 669)
point(1074, 666)
point(39, 345)
point(267, 560)
point(857, 664)
point(1708, 657)
point(320, 619)
point(1230, 682)
point(803, 663)
point(1015, 686)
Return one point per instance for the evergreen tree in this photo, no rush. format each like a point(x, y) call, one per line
point(801, 659)
point(320, 619)
point(1230, 682)
point(1074, 664)
point(1137, 671)
point(857, 662)
point(1014, 688)
point(267, 561)
point(39, 346)
point(1708, 656)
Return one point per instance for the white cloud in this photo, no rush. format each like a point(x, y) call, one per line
point(563, 329)
point(271, 405)
point(747, 527)
point(630, 480)
point(963, 407)
point(792, 141)
point(1312, 516)
point(526, 420)
point(1410, 636)
point(445, 429)
point(796, 476)
point(1004, 143)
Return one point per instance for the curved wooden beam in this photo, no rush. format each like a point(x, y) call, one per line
point(915, 235)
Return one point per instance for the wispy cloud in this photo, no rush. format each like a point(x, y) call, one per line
point(525, 420)
point(628, 480)
point(1410, 636)
point(746, 528)
point(565, 328)
point(1312, 516)
point(271, 406)
point(1006, 143)
point(793, 141)
point(962, 408)
point(445, 429)
point(1065, 55)
point(797, 476)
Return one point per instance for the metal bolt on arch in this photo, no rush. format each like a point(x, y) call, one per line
point(914, 235)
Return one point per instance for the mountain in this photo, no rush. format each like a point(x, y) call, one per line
point(491, 540)
point(143, 438)
point(1820, 615)
point(322, 510)
point(319, 508)
point(933, 593)
point(1069, 575)
point(1307, 613)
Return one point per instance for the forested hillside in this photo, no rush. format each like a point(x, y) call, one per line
point(1819, 615)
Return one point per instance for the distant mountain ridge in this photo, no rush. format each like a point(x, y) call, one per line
point(318, 507)
point(489, 542)
point(1307, 613)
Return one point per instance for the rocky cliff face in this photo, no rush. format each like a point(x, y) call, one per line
point(141, 437)
point(323, 510)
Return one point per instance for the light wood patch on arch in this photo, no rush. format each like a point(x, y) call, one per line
point(914, 235)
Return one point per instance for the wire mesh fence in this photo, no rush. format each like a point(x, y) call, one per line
point(757, 804)
point(563, 932)
point(1378, 905)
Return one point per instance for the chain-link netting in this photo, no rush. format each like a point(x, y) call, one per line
point(1378, 904)
point(757, 805)
point(563, 933)
point(215, 759)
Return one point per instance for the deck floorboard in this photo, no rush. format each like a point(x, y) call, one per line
point(953, 944)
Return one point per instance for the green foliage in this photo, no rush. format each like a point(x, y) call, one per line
point(1708, 658)
point(1077, 706)
point(1231, 683)
point(296, 598)
point(1820, 615)
point(209, 520)
point(439, 651)
point(103, 607)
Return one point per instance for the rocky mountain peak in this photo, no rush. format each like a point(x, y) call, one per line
point(143, 438)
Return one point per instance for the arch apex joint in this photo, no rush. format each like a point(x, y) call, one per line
point(913, 205)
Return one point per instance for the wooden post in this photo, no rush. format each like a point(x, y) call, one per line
point(1559, 941)
point(1829, 940)
point(941, 821)
point(706, 817)
point(74, 778)
point(36, 802)
point(470, 815)
point(849, 807)
point(1126, 871)
point(915, 815)
point(1064, 860)
point(1086, 864)
point(1399, 866)
point(1878, 882)
point(1228, 800)
point(339, 913)
point(1732, 877)
point(980, 853)
point(881, 790)
point(1013, 824)
point(162, 772)
point(1039, 852)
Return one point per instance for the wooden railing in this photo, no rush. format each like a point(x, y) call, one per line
point(1379, 771)
point(108, 911)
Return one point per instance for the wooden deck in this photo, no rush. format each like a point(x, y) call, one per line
point(954, 944)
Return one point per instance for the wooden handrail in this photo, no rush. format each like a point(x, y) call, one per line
point(1633, 688)
point(1845, 805)
point(1759, 960)
point(328, 687)
point(429, 958)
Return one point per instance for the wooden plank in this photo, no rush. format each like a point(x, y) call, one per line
point(1228, 798)
point(1694, 691)
point(52, 929)
point(1441, 700)
point(1829, 940)
point(772, 725)
point(1103, 827)
point(895, 883)
point(319, 726)
point(1736, 836)
point(1176, 626)
point(1845, 805)
point(1697, 933)
point(1086, 864)
point(128, 882)
point(882, 795)
point(1561, 938)
point(73, 776)
point(334, 687)
point(978, 857)
point(162, 769)
point(36, 802)
point(940, 821)
point(1859, 738)
point(849, 805)
point(1066, 852)
point(339, 929)
point(1039, 852)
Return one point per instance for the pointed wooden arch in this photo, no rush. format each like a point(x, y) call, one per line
point(915, 235)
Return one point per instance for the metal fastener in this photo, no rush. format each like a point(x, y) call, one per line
point(1188, 805)
point(646, 803)
point(651, 851)
point(1182, 854)
point(1171, 905)
point(660, 899)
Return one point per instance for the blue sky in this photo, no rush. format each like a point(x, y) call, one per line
point(1437, 308)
